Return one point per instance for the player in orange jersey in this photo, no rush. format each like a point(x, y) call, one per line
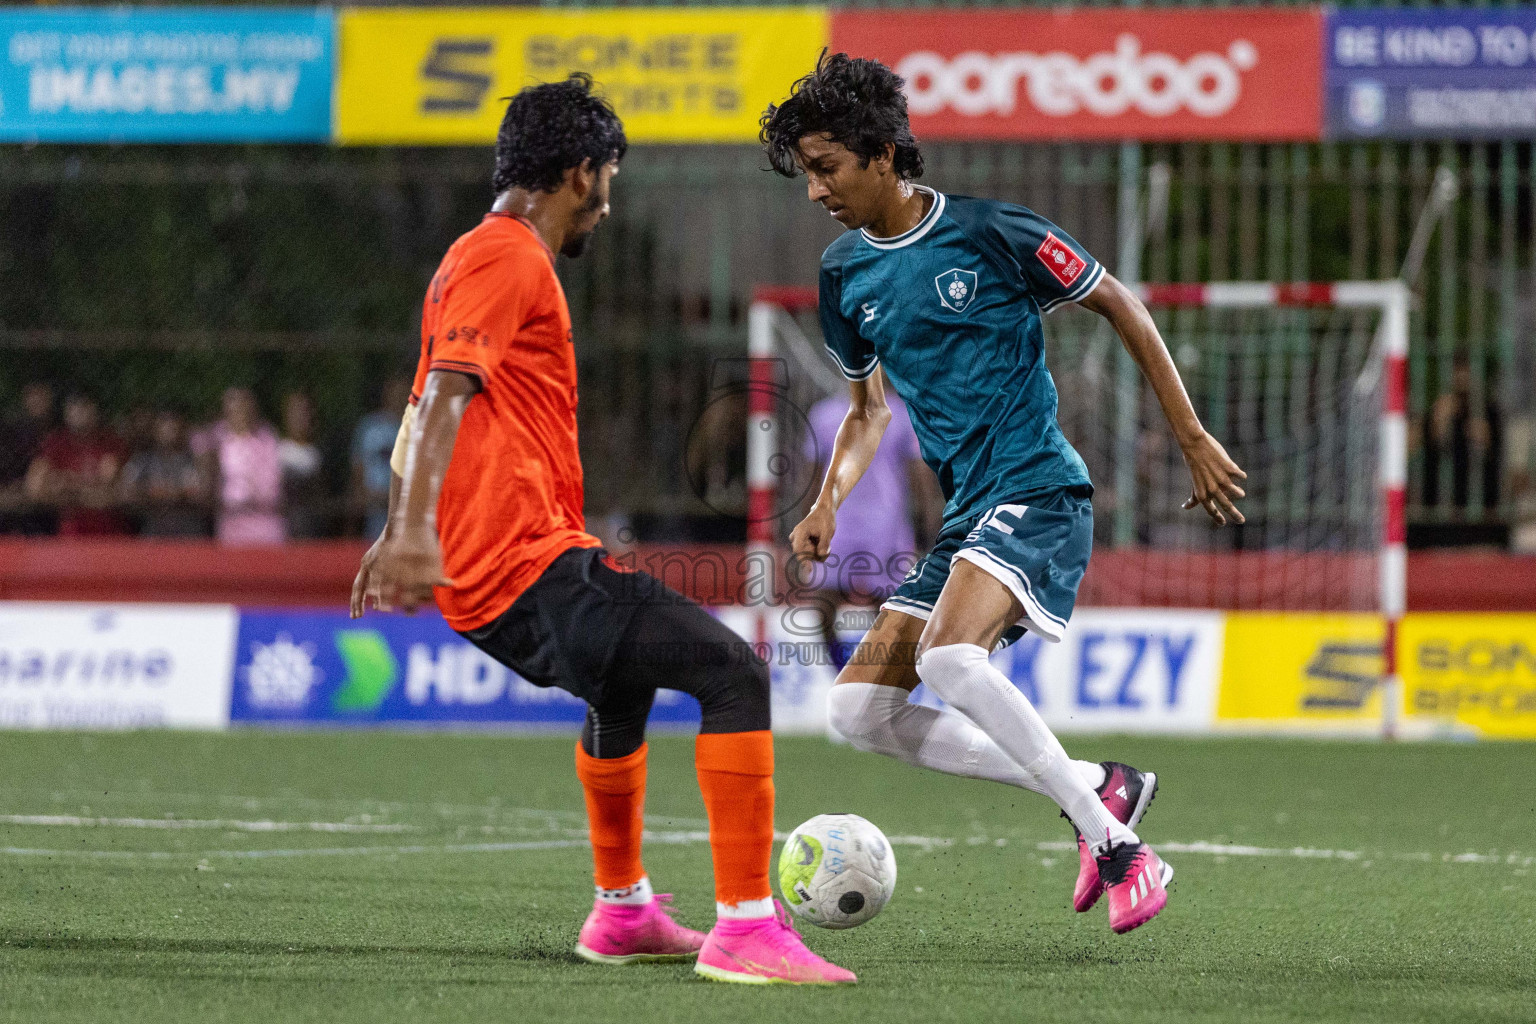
point(486, 516)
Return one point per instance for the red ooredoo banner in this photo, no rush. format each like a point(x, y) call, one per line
point(1224, 73)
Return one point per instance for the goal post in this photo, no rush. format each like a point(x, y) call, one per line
point(1305, 383)
point(1388, 365)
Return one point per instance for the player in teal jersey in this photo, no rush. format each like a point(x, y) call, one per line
point(945, 295)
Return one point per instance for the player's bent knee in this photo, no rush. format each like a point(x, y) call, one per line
point(863, 713)
point(950, 671)
point(845, 713)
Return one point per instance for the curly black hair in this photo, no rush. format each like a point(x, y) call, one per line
point(854, 101)
point(551, 128)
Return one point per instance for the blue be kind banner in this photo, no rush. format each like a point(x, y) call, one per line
point(324, 667)
point(1406, 73)
point(166, 75)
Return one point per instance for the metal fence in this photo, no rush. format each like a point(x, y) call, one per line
point(180, 269)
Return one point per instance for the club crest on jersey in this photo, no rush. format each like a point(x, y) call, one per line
point(956, 288)
point(1064, 264)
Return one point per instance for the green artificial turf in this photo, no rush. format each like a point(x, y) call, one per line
point(406, 920)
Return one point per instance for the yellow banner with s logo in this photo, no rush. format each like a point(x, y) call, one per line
point(441, 76)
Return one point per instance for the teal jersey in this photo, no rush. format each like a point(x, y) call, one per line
point(951, 310)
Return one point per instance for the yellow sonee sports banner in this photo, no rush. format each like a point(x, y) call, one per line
point(439, 76)
point(1466, 672)
point(1287, 671)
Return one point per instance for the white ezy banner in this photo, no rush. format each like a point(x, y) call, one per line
point(1116, 669)
point(115, 666)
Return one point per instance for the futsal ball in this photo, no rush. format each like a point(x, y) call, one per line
point(836, 871)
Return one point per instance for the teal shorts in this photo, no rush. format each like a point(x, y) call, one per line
point(1039, 551)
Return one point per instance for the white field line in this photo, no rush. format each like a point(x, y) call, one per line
point(651, 836)
point(575, 837)
point(224, 824)
point(1518, 860)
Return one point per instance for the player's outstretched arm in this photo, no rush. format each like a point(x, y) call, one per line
point(857, 441)
point(1215, 475)
point(408, 561)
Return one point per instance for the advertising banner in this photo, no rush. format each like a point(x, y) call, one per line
point(1470, 673)
point(1283, 671)
point(1232, 74)
point(165, 75)
point(324, 667)
point(673, 74)
point(1122, 670)
point(1405, 73)
point(129, 666)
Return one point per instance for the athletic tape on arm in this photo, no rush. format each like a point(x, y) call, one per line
point(397, 457)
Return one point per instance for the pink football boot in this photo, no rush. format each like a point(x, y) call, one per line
point(616, 933)
point(1127, 793)
point(765, 951)
point(1136, 879)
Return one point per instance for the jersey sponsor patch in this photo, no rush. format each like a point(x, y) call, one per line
point(956, 288)
point(1064, 264)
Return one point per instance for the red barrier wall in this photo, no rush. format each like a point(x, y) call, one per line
point(321, 574)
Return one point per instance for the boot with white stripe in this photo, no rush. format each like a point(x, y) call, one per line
point(1136, 880)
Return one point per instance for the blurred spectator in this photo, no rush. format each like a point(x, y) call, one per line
point(303, 486)
point(240, 453)
point(1469, 436)
point(373, 441)
point(136, 428)
point(76, 469)
point(875, 542)
point(21, 438)
point(164, 483)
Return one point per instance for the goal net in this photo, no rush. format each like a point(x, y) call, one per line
point(1303, 384)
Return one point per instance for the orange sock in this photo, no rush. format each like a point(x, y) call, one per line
point(615, 790)
point(736, 778)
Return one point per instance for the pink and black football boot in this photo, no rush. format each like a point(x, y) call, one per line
point(645, 933)
point(1127, 793)
point(1137, 880)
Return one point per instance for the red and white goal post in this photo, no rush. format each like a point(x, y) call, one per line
point(1306, 385)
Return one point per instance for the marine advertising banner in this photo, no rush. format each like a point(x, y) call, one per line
point(115, 666)
point(121, 74)
point(1443, 73)
point(1225, 73)
point(427, 76)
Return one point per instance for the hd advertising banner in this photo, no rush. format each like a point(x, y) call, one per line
point(428, 76)
point(124, 666)
point(1236, 73)
point(165, 75)
point(323, 667)
point(1405, 73)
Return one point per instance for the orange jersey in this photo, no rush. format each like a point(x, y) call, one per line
point(512, 498)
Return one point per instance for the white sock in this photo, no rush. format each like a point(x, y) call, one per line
point(961, 675)
point(746, 909)
point(635, 895)
point(882, 720)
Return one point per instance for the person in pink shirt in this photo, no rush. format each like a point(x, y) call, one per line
point(243, 455)
point(876, 542)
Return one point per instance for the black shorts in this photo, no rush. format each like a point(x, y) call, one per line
point(602, 634)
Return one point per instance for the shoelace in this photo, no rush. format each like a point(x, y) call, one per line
point(786, 937)
point(1115, 863)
